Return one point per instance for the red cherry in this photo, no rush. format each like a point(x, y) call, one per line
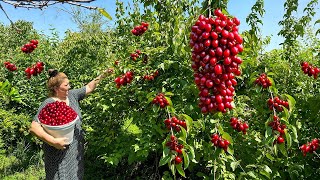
point(280, 140)
point(178, 160)
point(218, 69)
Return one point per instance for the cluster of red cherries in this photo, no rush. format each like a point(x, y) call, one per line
point(34, 70)
point(10, 66)
point(56, 114)
point(276, 103)
point(135, 55)
point(239, 126)
point(218, 141)
point(215, 44)
point(310, 70)
point(30, 47)
point(175, 124)
point(124, 79)
point(310, 147)
point(139, 30)
point(175, 146)
point(152, 76)
point(277, 126)
point(263, 81)
point(160, 100)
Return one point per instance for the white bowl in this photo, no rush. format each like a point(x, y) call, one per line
point(66, 130)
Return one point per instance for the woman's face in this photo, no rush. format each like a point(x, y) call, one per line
point(63, 89)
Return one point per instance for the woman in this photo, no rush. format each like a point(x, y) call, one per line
point(63, 161)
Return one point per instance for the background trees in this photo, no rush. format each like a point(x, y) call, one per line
point(123, 126)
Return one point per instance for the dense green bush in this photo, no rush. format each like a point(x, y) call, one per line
point(124, 129)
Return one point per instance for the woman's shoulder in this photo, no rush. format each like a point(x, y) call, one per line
point(77, 91)
point(77, 94)
point(47, 101)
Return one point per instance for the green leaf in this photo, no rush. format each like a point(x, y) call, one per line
point(295, 133)
point(298, 124)
point(180, 170)
point(269, 140)
point(183, 134)
point(283, 120)
point(267, 169)
point(150, 100)
point(252, 80)
point(164, 160)
point(263, 172)
point(291, 101)
point(161, 66)
point(168, 94)
point(251, 174)
point(275, 149)
point(271, 74)
point(318, 21)
point(171, 109)
point(272, 81)
point(268, 132)
point(273, 89)
point(269, 156)
point(185, 159)
point(173, 169)
point(288, 139)
point(230, 150)
point(151, 95)
point(286, 113)
point(254, 166)
point(169, 100)
point(103, 12)
point(234, 165)
point(166, 150)
point(227, 136)
point(282, 149)
point(190, 148)
point(220, 129)
point(155, 108)
point(188, 120)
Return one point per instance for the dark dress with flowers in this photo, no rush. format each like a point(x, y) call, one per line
point(66, 164)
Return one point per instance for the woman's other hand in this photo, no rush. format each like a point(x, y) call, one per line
point(59, 143)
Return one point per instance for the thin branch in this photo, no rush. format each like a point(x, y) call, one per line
point(17, 29)
point(38, 4)
point(80, 5)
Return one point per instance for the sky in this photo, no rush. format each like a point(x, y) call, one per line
point(56, 16)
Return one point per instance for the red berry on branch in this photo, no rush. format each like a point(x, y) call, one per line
point(280, 140)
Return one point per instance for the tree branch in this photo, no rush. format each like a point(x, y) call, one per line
point(19, 30)
point(40, 4)
point(80, 5)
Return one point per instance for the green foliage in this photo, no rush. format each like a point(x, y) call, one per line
point(123, 127)
point(9, 93)
point(12, 127)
